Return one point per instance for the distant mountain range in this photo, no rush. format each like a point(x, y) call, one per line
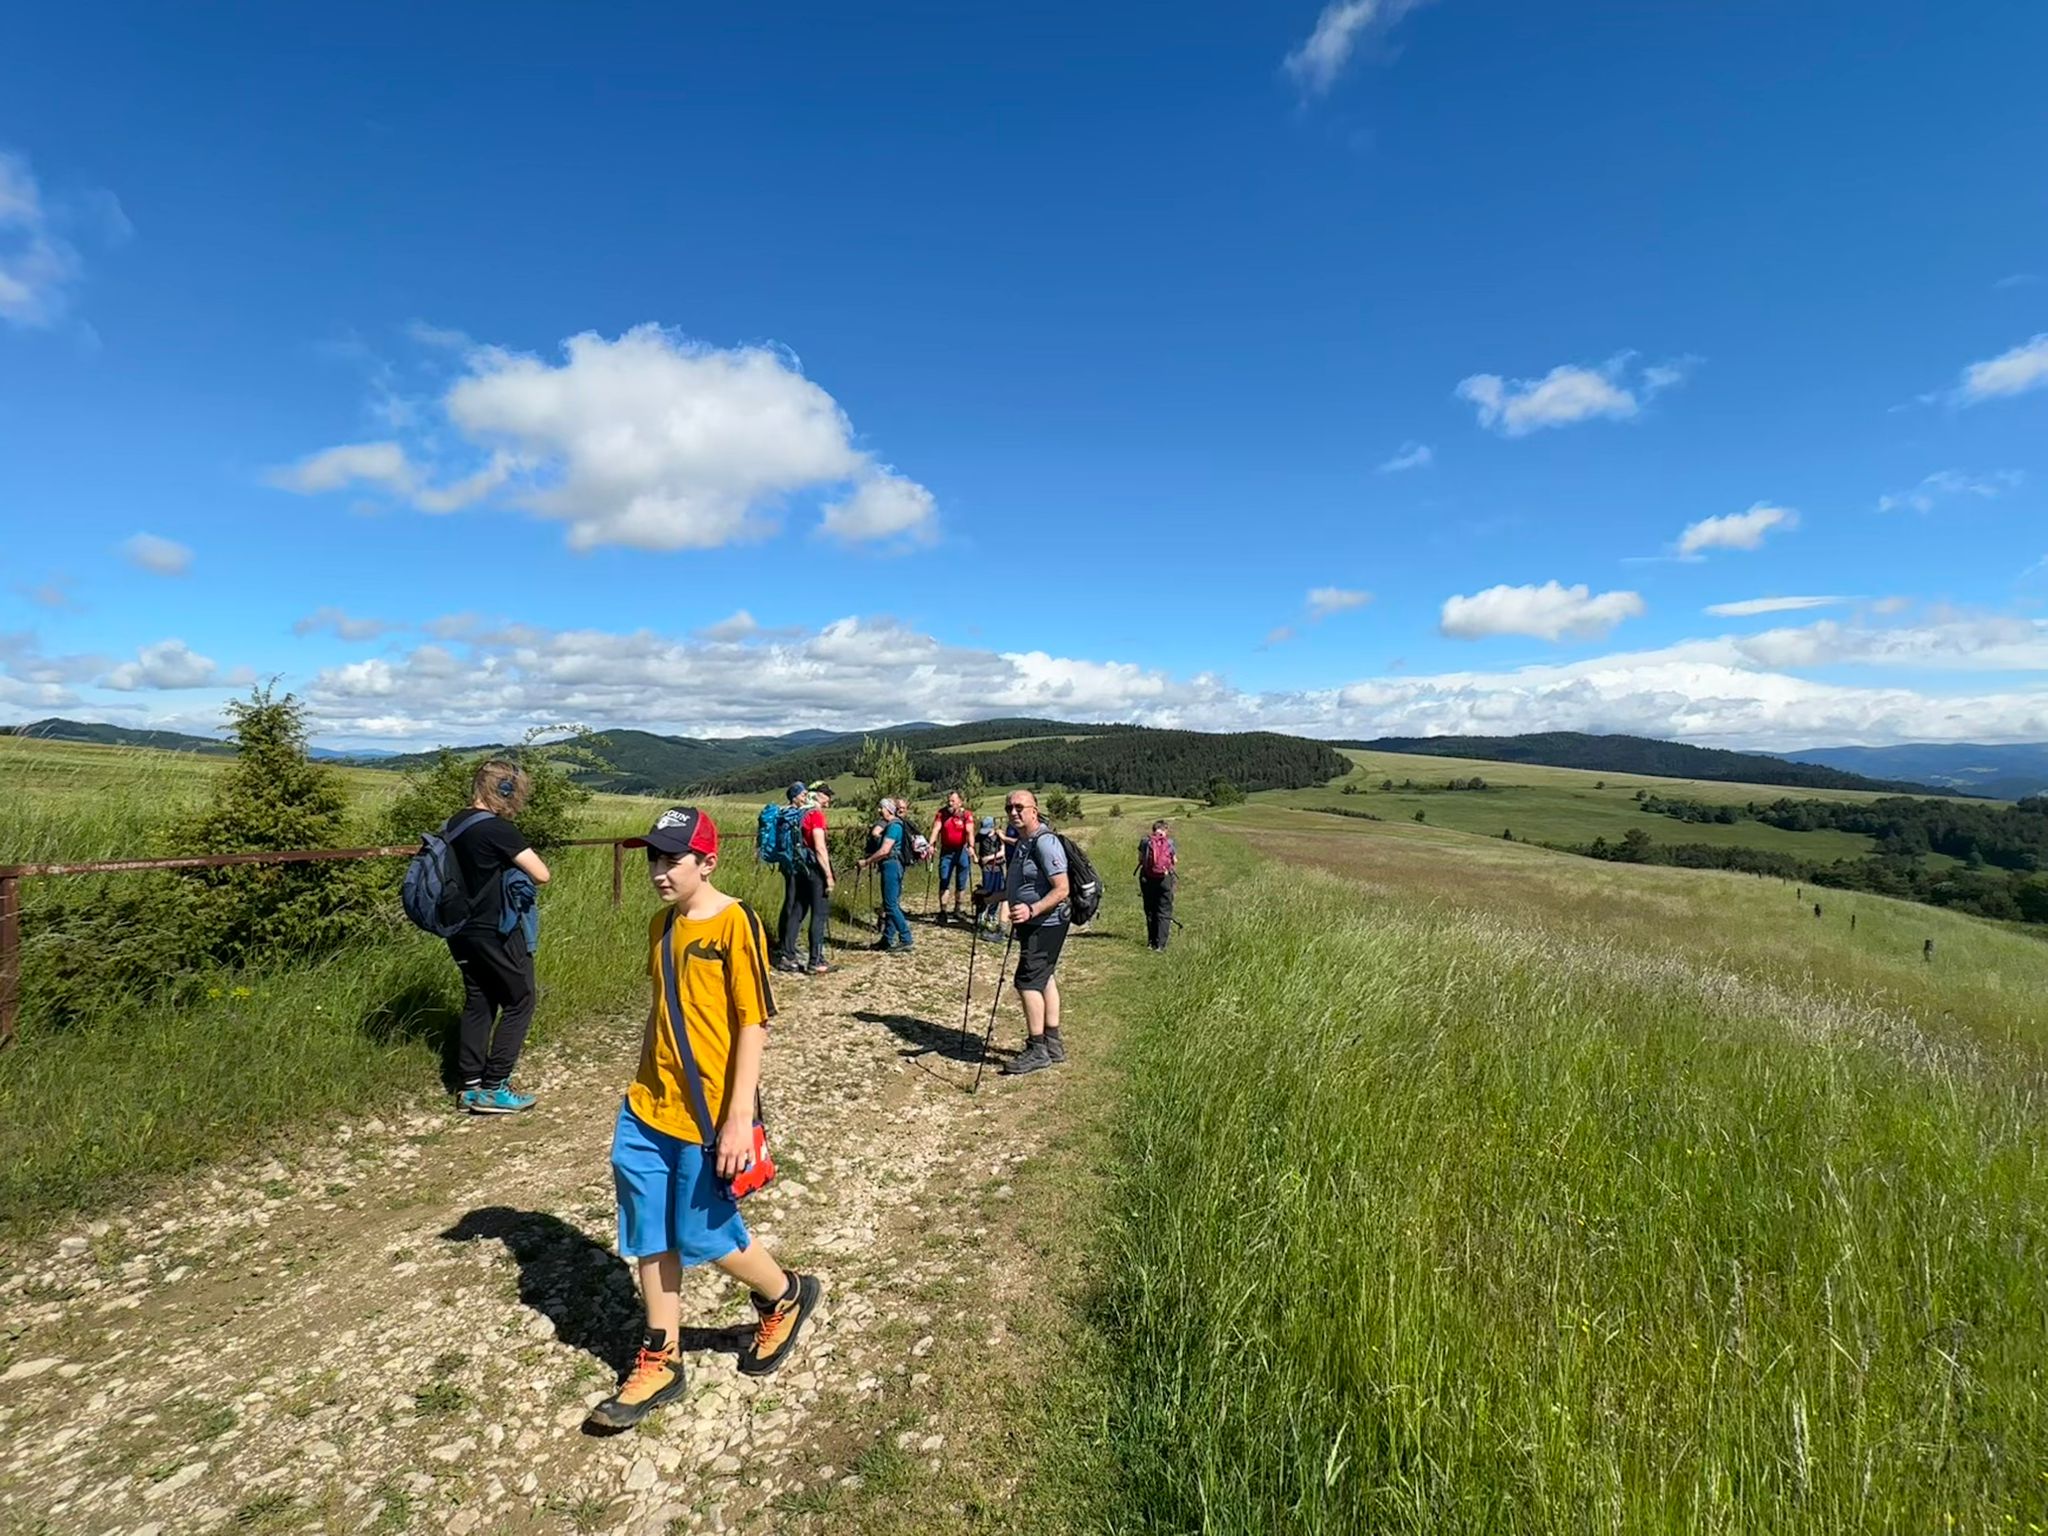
point(2002, 772)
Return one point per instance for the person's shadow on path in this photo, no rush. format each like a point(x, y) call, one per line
point(928, 1039)
point(579, 1285)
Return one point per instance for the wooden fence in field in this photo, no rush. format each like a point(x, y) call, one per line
point(11, 876)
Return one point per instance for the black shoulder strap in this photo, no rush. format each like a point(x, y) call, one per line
point(679, 1032)
point(452, 828)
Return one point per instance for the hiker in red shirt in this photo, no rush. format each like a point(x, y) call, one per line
point(953, 837)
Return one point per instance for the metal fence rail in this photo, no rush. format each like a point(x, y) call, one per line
point(11, 876)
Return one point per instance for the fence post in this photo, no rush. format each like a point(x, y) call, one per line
point(618, 874)
point(10, 956)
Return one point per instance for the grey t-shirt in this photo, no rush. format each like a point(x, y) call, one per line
point(1032, 865)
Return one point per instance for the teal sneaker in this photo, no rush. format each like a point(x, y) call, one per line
point(500, 1100)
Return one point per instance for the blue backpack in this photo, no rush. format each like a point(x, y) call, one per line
point(433, 896)
point(768, 846)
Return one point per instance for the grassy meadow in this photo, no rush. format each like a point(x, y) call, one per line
point(1471, 1187)
point(1565, 805)
point(144, 1087)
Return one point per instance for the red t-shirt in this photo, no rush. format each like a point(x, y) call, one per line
point(954, 831)
point(814, 821)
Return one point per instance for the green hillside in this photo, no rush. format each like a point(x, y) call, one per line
point(835, 758)
point(96, 733)
point(1634, 754)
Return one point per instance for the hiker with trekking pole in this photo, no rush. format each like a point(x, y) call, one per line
point(952, 837)
point(887, 856)
point(1037, 890)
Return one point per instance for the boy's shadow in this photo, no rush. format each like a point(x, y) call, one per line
point(579, 1285)
point(928, 1039)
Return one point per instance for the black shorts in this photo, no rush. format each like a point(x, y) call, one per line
point(1038, 951)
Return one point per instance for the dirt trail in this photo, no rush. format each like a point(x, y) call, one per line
point(400, 1327)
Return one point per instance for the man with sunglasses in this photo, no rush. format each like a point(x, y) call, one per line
point(1035, 890)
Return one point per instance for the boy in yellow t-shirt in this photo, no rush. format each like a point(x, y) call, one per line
point(670, 1169)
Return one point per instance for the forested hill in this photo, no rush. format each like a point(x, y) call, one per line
point(1636, 754)
point(1123, 759)
point(827, 759)
point(98, 734)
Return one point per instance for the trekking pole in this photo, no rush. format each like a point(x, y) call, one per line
point(967, 1001)
point(995, 1002)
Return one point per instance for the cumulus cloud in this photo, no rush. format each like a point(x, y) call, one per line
point(1948, 484)
point(171, 664)
point(166, 557)
point(883, 505)
point(736, 627)
point(1412, 455)
point(342, 626)
point(1749, 607)
point(1549, 612)
point(1324, 601)
point(1339, 30)
point(1736, 530)
point(649, 441)
point(2012, 372)
point(854, 672)
point(1568, 394)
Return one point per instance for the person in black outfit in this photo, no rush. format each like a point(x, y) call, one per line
point(498, 986)
point(1158, 870)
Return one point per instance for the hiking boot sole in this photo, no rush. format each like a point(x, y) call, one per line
point(810, 1290)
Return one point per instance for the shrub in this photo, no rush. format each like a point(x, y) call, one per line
point(433, 793)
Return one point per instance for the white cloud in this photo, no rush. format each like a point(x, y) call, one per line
point(1946, 484)
point(1749, 607)
point(854, 673)
point(737, 626)
point(342, 626)
point(650, 441)
point(1737, 530)
point(36, 266)
point(166, 557)
point(1339, 30)
point(1548, 612)
point(1568, 394)
point(883, 505)
point(2014, 372)
point(54, 594)
point(1412, 455)
point(1279, 635)
point(1324, 601)
point(171, 664)
point(1890, 605)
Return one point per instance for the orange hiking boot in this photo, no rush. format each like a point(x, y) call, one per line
point(781, 1321)
point(656, 1378)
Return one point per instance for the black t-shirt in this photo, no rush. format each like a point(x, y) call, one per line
point(483, 853)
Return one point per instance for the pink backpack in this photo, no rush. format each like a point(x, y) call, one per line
point(1158, 856)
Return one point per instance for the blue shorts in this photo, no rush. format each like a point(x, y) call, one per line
point(991, 877)
point(953, 869)
point(670, 1197)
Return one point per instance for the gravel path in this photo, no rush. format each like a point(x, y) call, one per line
point(399, 1328)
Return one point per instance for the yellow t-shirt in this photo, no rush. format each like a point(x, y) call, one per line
point(722, 974)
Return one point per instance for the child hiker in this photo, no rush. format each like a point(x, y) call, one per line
point(679, 1143)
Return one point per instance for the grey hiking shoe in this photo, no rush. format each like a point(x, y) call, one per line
point(1033, 1058)
point(1055, 1048)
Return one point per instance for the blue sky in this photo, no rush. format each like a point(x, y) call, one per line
point(1358, 369)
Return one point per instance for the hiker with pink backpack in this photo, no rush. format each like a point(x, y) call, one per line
point(1158, 859)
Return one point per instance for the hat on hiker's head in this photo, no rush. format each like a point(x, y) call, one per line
point(796, 790)
point(888, 806)
point(678, 830)
point(825, 790)
point(988, 823)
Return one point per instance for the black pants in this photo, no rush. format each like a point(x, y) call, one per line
point(811, 902)
point(793, 907)
point(1158, 895)
point(498, 988)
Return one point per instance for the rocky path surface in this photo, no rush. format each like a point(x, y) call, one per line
point(400, 1327)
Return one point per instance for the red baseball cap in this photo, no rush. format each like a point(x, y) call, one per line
point(678, 830)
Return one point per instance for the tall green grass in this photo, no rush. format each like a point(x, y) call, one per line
point(1446, 1221)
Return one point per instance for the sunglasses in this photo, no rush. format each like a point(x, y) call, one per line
point(1014, 805)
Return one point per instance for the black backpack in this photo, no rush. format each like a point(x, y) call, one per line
point(1084, 886)
point(433, 896)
